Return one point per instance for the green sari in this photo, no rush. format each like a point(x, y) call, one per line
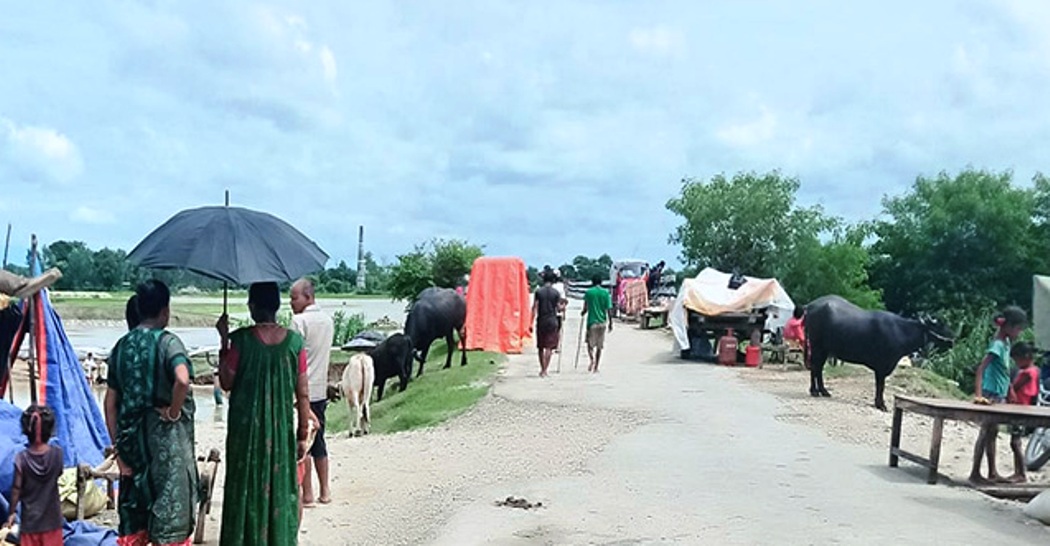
point(160, 497)
point(260, 503)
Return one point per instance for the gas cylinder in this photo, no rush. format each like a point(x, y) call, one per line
point(727, 347)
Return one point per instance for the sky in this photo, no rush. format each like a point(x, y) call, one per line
point(542, 129)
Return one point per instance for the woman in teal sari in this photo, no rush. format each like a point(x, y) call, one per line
point(264, 369)
point(149, 412)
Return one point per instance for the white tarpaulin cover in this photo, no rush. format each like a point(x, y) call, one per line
point(709, 294)
point(1041, 311)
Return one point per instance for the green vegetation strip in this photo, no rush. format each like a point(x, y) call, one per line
point(913, 380)
point(436, 397)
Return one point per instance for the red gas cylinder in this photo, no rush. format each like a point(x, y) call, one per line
point(753, 356)
point(727, 347)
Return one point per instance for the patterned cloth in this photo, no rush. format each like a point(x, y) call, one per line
point(635, 296)
point(261, 498)
point(160, 497)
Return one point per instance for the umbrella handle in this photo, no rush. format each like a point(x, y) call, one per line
point(225, 296)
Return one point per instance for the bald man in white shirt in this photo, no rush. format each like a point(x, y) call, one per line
point(318, 331)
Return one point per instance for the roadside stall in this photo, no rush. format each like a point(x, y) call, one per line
point(706, 308)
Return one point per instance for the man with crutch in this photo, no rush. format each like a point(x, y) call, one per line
point(596, 306)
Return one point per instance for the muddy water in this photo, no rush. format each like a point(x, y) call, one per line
point(202, 397)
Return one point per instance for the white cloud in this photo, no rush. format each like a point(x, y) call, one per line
point(328, 63)
point(89, 215)
point(657, 40)
point(749, 133)
point(39, 152)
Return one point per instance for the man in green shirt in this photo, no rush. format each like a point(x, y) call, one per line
point(596, 306)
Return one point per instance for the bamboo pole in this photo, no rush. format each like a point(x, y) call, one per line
point(30, 320)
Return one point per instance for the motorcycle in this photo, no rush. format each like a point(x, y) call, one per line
point(1038, 451)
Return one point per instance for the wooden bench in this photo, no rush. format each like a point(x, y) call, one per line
point(955, 410)
point(649, 314)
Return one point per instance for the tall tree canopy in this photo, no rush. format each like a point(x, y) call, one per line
point(967, 241)
point(751, 222)
point(442, 263)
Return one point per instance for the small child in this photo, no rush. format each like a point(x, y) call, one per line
point(37, 470)
point(1025, 388)
point(992, 386)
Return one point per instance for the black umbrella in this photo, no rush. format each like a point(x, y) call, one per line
point(231, 244)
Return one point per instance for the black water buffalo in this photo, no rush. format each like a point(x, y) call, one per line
point(437, 313)
point(877, 339)
point(392, 358)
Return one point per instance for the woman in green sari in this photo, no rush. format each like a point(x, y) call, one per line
point(264, 369)
point(149, 413)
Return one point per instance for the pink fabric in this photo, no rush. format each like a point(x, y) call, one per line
point(140, 539)
point(49, 538)
point(795, 330)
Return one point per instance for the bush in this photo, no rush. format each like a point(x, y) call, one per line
point(346, 327)
point(974, 331)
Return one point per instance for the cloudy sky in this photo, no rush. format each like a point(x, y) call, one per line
point(540, 129)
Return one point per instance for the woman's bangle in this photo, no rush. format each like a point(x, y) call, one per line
point(170, 418)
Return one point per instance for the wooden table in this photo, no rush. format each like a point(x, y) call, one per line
point(957, 410)
point(650, 313)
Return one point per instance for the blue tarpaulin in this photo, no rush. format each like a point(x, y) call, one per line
point(79, 426)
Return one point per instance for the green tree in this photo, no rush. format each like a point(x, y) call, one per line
point(748, 222)
point(960, 242)
point(110, 269)
point(451, 260)
point(533, 274)
point(76, 261)
point(585, 269)
point(442, 263)
point(411, 275)
point(751, 222)
point(377, 277)
point(838, 265)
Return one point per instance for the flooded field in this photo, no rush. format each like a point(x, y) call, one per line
point(99, 336)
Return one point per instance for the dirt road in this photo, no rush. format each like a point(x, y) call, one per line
point(652, 450)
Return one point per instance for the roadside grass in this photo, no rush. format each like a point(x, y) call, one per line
point(922, 382)
point(436, 397)
point(913, 380)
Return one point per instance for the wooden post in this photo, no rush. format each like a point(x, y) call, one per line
point(31, 318)
point(935, 448)
point(895, 435)
point(82, 477)
point(7, 245)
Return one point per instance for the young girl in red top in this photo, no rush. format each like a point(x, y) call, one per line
point(36, 482)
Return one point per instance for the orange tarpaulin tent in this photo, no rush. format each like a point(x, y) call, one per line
point(499, 306)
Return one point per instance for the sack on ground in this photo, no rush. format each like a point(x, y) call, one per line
point(94, 496)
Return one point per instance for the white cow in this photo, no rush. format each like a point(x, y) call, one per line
point(356, 387)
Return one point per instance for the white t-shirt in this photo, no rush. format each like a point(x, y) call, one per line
point(560, 287)
point(317, 330)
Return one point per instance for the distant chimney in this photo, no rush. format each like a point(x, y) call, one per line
point(361, 258)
